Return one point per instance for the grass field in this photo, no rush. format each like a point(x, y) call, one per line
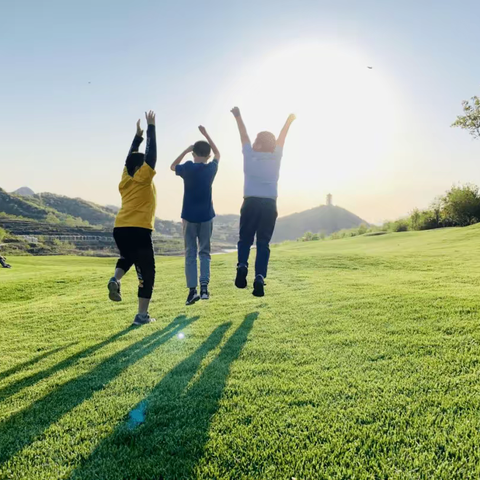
point(362, 362)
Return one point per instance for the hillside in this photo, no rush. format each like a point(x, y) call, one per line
point(22, 206)
point(324, 219)
point(360, 362)
point(75, 211)
point(77, 207)
point(57, 209)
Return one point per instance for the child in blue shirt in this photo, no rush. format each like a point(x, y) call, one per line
point(198, 212)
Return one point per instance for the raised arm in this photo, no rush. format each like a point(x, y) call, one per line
point(216, 153)
point(283, 134)
point(181, 157)
point(151, 148)
point(137, 141)
point(241, 126)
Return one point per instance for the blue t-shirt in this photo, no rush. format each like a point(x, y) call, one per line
point(262, 171)
point(197, 197)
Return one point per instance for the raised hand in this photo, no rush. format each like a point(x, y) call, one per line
point(291, 118)
point(139, 129)
point(235, 111)
point(203, 130)
point(150, 116)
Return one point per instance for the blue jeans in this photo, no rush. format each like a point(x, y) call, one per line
point(201, 232)
point(257, 217)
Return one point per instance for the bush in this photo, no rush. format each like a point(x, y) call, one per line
point(362, 229)
point(461, 205)
point(400, 226)
point(51, 218)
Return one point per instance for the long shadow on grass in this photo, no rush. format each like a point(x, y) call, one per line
point(33, 361)
point(26, 426)
point(16, 387)
point(171, 439)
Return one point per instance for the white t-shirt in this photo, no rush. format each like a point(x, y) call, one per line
point(262, 171)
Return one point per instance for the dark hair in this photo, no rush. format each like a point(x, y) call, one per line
point(202, 149)
point(134, 160)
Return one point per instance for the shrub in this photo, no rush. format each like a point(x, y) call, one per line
point(461, 205)
point(400, 226)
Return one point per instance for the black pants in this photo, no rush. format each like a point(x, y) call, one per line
point(257, 217)
point(136, 248)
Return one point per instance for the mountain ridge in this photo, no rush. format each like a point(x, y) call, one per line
point(54, 208)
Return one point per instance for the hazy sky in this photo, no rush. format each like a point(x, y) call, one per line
point(76, 75)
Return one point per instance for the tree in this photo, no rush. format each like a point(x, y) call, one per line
point(436, 209)
point(362, 229)
point(461, 205)
point(51, 218)
point(415, 219)
point(470, 121)
point(307, 237)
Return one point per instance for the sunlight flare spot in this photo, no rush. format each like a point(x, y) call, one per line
point(347, 114)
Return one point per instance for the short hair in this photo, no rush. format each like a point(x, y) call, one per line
point(134, 160)
point(202, 149)
point(267, 141)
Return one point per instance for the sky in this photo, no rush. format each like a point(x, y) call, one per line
point(76, 76)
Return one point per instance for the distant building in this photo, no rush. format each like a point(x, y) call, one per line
point(329, 200)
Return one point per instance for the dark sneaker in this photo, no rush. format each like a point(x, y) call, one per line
point(258, 286)
point(204, 294)
point(241, 279)
point(114, 293)
point(193, 297)
point(143, 319)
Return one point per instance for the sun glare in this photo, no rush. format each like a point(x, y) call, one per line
point(346, 111)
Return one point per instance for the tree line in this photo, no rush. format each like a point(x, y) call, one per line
point(458, 207)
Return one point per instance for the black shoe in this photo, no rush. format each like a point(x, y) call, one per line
point(204, 295)
point(258, 286)
point(241, 279)
point(193, 297)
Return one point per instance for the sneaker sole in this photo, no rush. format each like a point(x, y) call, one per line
point(241, 279)
point(113, 294)
point(204, 298)
point(258, 289)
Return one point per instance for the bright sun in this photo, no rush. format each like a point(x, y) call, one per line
point(346, 111)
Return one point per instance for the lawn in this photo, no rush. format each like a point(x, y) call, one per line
point(362, 362)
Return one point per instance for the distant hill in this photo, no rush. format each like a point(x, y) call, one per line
point(324, 219)
point(52, 208)
point(12, 204)
point(24, 192)
point(231, 219)
point(78, 208)
point(58, 209)
point(112, 208)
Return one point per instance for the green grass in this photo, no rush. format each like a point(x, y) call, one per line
point(362, 362)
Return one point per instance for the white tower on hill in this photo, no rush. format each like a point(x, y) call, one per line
point(329, 200)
